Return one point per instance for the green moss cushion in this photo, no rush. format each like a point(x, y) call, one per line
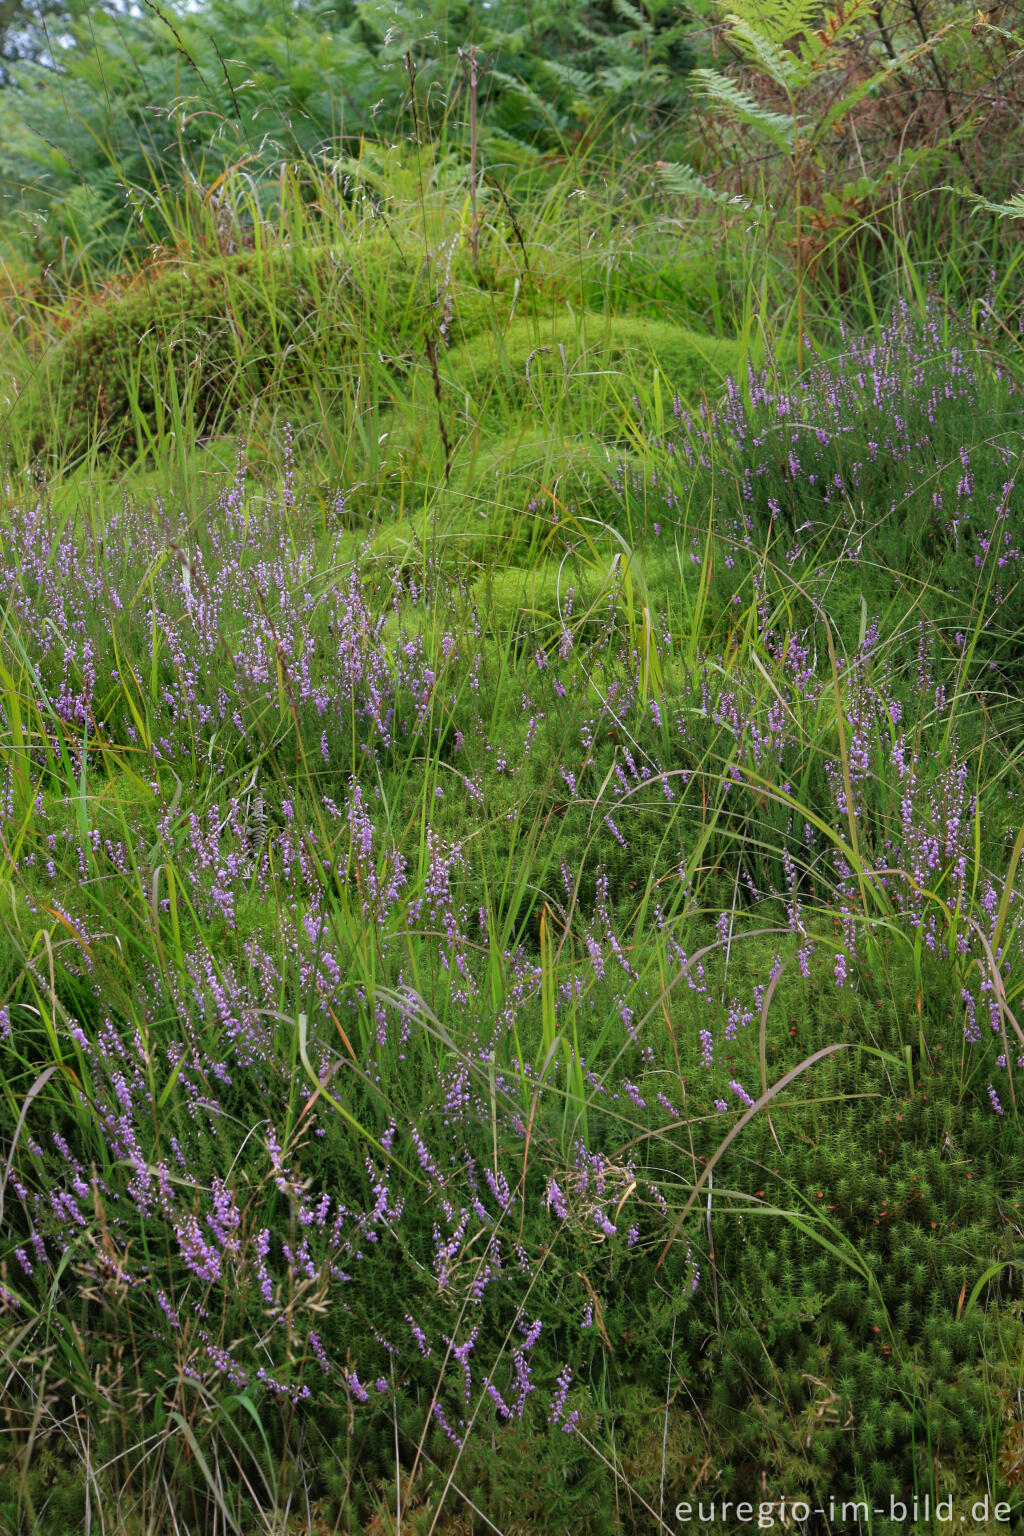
point(202, 341)
point(574, 357)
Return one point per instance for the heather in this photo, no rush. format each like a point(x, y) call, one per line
point(510, 766)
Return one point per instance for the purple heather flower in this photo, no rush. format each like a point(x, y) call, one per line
point(742, 1094)
point(555, 1200)
point(561, 1393)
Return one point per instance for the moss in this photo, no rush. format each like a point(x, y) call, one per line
point(547, 363)
point(539, 600)
point(522, 499)
point(221, 333)
point(858, 1297)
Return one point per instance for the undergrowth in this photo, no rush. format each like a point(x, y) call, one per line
point(510, 914)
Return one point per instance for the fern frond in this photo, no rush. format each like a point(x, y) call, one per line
point(662, 43)
point(778, 21)
point(785, 68)
point(840, 108)
point(518, 91)
point(502, 140)
point(1014, 209)
point(741, 106)
point(684, 180)
point(581, 81)
point(839, 24)
point(629, 12)
point(617, 79)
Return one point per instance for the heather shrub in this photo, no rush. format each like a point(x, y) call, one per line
point(511, 921)
point(897, 457)
point(511, 944)
point(387, 1057)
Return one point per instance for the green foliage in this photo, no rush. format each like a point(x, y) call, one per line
point(862, 111)
point(588, 757)
point(145, 108)
point(793, 47)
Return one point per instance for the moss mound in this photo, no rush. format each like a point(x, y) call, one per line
point(203, 341)
point(546, 366)
point(522, 499)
